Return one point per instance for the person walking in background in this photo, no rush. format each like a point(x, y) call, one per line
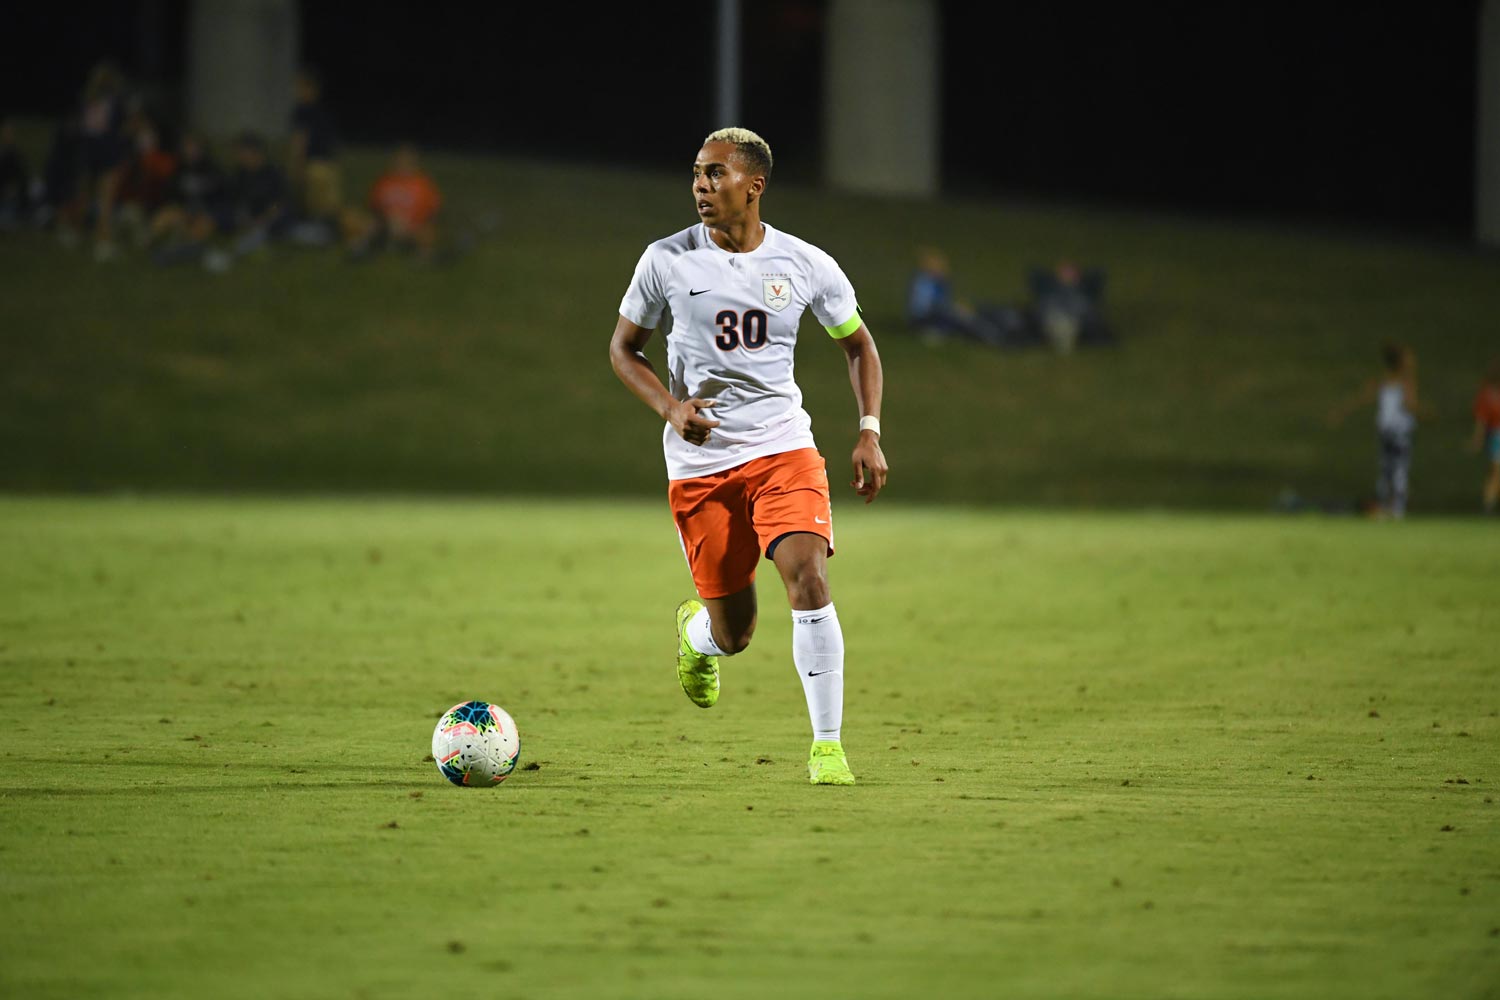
point(1396, 408)
point(313, 159)
point(745, 477)
point(1487, 433)
point(101, 127)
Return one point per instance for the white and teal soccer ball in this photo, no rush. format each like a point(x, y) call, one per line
point(476, 744)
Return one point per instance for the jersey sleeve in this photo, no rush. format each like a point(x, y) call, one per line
point(833, 301)
point(646, 297)
point(1487, 407)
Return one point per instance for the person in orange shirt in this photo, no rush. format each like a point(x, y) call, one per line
point(1487, 432)
point(145, 180)
point(402, 209)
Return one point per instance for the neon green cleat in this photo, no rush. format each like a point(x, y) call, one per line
point(699, 674)
point(827, 765)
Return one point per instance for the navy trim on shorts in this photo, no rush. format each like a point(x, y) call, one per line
point(771, 549)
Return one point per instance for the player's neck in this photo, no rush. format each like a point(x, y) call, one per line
point(740, 236)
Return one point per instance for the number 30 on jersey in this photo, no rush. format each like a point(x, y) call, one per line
point(735, 329)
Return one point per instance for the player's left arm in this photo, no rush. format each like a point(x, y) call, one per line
point(868, 380)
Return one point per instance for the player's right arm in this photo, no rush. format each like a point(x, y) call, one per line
point(627, 357)
point(1365, 397)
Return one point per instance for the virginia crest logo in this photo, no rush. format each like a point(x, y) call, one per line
point(778, 292)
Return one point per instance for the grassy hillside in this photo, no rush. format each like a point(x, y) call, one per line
point(299, 372)
point(1100, 756)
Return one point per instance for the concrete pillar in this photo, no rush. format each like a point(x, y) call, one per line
point(880, 116)
point(242, 65)
point(1487, 128)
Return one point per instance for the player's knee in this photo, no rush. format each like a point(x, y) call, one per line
point(808, 586)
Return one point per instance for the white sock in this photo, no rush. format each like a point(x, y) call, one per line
point(700, 634)
point(818, 652)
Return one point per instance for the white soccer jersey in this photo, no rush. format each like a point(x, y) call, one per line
point(734, 329)
point(1391, 415)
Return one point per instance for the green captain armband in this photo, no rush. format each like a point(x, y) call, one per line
point(847, 327)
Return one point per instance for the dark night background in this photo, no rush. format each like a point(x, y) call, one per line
point(1361, 114)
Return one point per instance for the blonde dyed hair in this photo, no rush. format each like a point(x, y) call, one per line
point(754, 150)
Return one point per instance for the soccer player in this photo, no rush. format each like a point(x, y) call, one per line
point(1396, 412)
point(745, 477)
point(1487, 434)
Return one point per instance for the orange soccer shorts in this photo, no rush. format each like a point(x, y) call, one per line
point(727, 520)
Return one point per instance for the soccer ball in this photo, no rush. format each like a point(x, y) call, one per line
point(476, 744)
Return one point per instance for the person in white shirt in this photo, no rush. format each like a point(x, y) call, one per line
point(1396, 411)
point(745, 477)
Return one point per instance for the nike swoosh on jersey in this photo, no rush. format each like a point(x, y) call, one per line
point(700, 291)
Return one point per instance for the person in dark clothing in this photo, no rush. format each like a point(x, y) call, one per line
point(197, 206)
point(62, 173)
point(258, 194)
point(256, 204)
point(15, 180)
point(314, 150)
point(1068, 305)
point(199, 186)
point(105, 148)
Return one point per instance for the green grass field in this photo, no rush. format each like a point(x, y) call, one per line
point(298, 372)
point(1100, 755)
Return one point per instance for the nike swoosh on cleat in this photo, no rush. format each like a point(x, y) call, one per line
point(691, 293)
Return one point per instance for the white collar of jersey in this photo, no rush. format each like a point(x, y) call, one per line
point(765, 240)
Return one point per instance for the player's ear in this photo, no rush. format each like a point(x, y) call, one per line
point(757, 188)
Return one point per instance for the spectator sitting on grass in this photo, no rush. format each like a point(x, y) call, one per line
point(933, 312)
point(145, 179)
point(257, 198)
point(15, 180)
point(196, 206)
point(1069, 306)
point(402, 210)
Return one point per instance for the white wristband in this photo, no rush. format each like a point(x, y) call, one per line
point(870, 424)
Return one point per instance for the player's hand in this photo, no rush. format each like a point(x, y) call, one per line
point(689, 422)
point(870, 470)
